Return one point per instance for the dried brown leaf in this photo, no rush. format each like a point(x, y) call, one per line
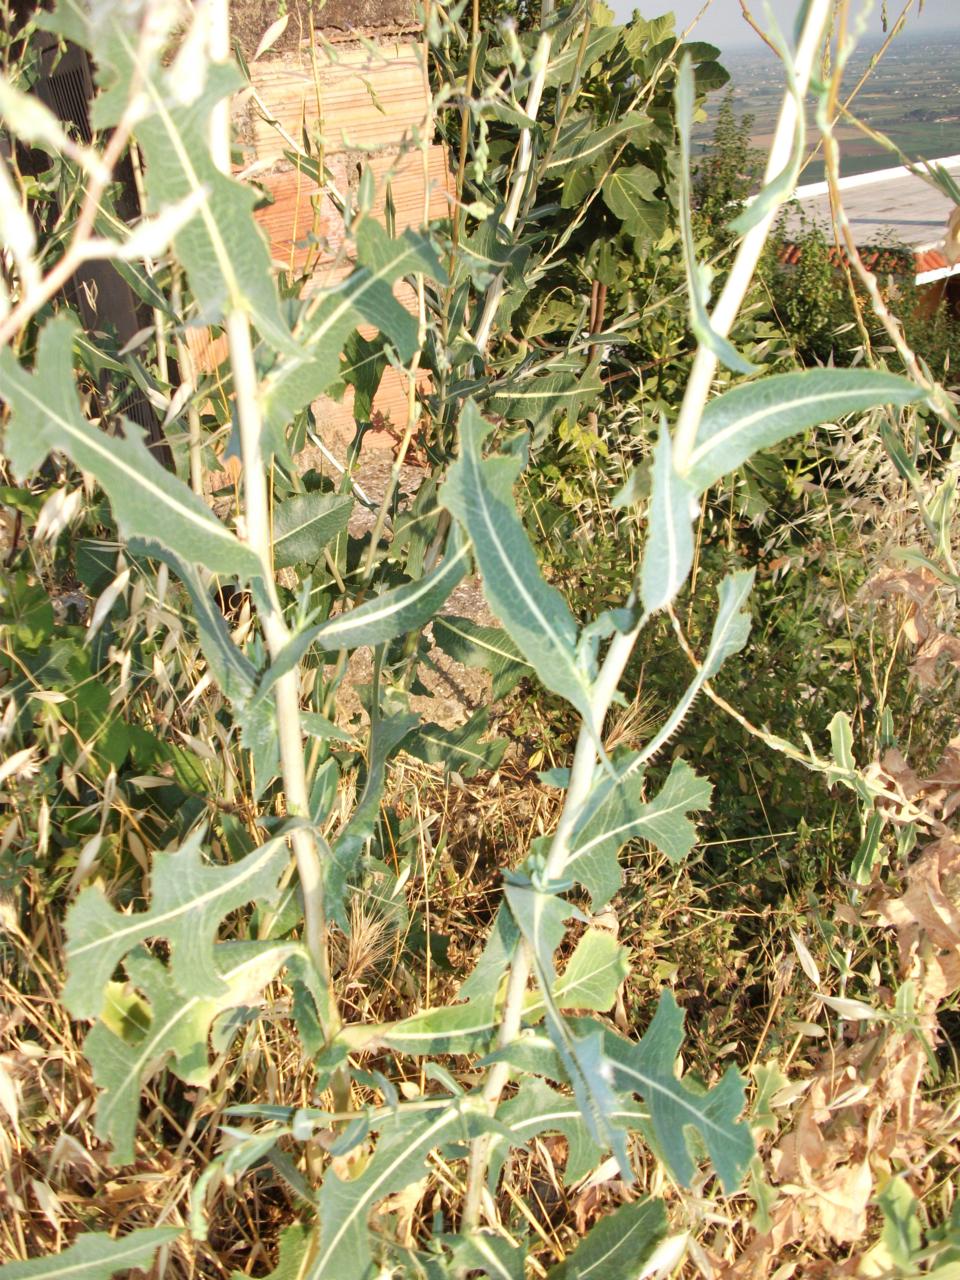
point(936, 648)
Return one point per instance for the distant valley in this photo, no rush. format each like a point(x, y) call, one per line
point(912, 96)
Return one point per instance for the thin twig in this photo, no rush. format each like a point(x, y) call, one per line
point(541, 60)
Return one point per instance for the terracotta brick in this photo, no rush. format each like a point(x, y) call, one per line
point(300, 207)
point(405, 173)
point(367, 99)
point(302, 225)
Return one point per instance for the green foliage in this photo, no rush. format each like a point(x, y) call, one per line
point(487, 647)
point(728, 171)
point(366, 297)
point(622, 1241)
point(537, 1108)
point(304, 524)
point(461, 749)
point(699, 277)
point(45, 415)
point(386, 734)
point(676, 1107)
point(809, 297)
point(589, 981)
point(238, 834)
point(479, 492)
point(123, 1053)
point(755, 416)
point(668, 555)
point(95, 1256)
point(189, 901)
point(398, 611)
point(616, 813)
point(344, 1249)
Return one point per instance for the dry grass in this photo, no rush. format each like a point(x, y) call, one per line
point(839, 1104)
point(846, 1100)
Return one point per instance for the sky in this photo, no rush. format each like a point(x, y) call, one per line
point(723, 22)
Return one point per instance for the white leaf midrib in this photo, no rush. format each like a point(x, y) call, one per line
point(744, 424)
point(147, 920)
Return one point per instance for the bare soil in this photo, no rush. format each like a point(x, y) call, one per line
point(456, 691)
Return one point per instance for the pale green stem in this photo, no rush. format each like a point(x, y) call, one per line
point(159, 320)
point(751, 246)
point(585, 755)
point(257, 535)
point(276, 634)
point(578, 792)
point(541, 60)
point(188, 373)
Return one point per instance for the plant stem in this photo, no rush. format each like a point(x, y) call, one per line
point(751, 246)
point(458, 214)
point(585, 755)
point(578, 791)
point(541, 60)
point(159, 320)
point(276, 633)
point(188, 374)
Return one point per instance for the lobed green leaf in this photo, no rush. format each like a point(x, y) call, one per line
point(406, 1139)
point(538, 1108)
point(580, 142)
point(646, 1067)
point(179, 1028)
point(591, 979)
point(95, 1256)
point(617, 813)
point(147, 500)
point(629, 193)
point(540, 916)
point(460, 748)
point(190, 897)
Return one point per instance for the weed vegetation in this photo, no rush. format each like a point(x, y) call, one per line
point(644, 964)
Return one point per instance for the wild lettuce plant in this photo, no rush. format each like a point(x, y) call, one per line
point(540, 1060)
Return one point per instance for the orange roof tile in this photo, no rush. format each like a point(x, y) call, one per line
point(878, 258)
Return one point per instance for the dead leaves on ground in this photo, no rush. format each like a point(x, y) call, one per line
point(866, 1113)
point(935, 649)
point(926, 917)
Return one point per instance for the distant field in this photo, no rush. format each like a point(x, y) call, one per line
point(912, 96)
